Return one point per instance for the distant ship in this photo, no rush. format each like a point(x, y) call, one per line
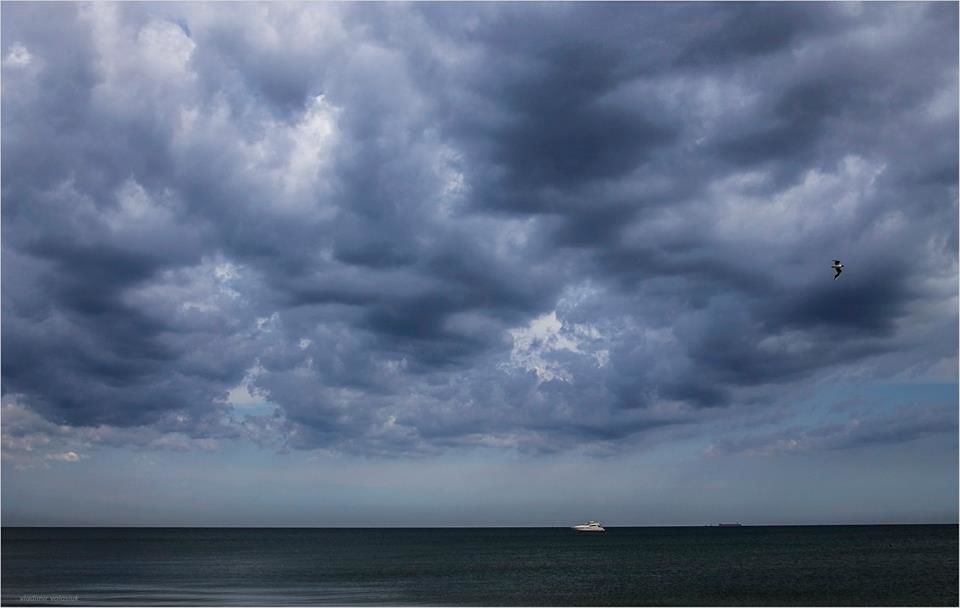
point(733, 525)
point(590, 526)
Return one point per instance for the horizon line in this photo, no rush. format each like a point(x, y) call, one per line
point(459, 527)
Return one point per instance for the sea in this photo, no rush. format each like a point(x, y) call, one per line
point(913, 565)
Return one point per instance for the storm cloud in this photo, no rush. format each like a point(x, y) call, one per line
point(402, 229)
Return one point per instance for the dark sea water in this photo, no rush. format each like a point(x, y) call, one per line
point(815, 565)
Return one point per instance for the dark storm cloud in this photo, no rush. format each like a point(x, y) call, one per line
point(414, 227)
point(810, 115)
point(561, 133)
point(867, 305)
point(922, 422)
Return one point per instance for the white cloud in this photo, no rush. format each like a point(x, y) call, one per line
point(547, 335)
point(213, 287)
point(312, 141)
point(247, 393)
point(142, 70)
point(820, 200)
point(18, 57)
point(64, 457)
point(137, 209)
point(942, 104)
point(266, 324)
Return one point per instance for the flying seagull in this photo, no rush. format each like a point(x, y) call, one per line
point(838, 267)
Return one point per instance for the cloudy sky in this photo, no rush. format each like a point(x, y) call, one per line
point(479, 264)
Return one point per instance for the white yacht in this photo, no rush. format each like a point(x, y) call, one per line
point(590, 526)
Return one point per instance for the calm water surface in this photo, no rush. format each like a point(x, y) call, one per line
point(808, 565)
